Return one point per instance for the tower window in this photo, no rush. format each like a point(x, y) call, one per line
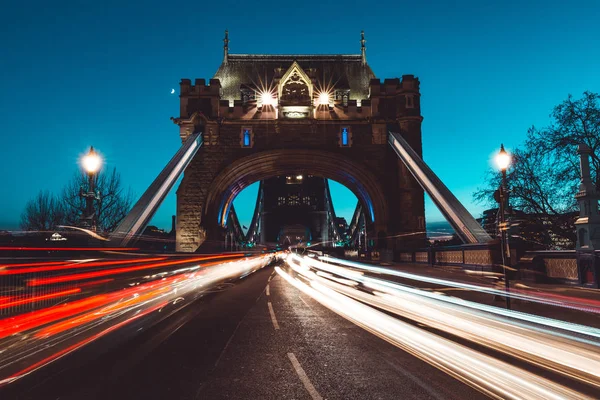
point(247, 137)
point(410, 101)
point(345, 136)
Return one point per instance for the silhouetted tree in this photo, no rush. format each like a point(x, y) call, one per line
point(111, 207)
point(42, 213)
point(544, 175)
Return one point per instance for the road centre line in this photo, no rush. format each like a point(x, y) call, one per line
point(273, 319)
point(304, 378)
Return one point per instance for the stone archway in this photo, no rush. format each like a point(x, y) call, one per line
point(262, 165)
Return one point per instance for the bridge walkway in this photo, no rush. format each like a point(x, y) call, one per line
point(555, 292)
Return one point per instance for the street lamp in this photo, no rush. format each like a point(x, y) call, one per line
point(91, 164)
point(503, 160)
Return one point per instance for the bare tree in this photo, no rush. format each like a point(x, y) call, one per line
point(42, 213)
point(111, 207)
point(544, 175)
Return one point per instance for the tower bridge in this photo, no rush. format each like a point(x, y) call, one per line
point(326, 116)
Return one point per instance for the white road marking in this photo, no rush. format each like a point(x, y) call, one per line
point(273, 319)
point(268, 290)
point(304, 378)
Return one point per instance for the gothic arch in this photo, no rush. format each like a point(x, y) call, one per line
point(259, 166)
point(295, 75)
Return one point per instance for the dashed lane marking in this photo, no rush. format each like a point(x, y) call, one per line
point(268, 290)
point(304, 378)
point(273, 319)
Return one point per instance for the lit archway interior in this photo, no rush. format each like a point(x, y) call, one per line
point(260, 166)
point(344, 202)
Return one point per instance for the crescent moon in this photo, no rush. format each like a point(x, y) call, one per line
point(172, 91)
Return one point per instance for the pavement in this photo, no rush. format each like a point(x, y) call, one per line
point(458, 274)
point(259, 338)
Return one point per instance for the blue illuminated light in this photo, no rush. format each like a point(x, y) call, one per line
point(344, 136)
point(247, 138)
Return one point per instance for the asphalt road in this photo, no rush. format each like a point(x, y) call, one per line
point(253, 339)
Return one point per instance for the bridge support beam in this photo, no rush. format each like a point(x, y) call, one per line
point(137, 219)
point(465, 226)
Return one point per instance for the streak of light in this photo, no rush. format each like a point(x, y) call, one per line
point(69, 248)
point(486, 374)
point(77, 265)
point(563, 353)
point(87, 231)
point(35, 264)
point(548, 298)
point(49, 334)
point(75, 346)
point(25, 322)
point(553, 323)
point(95, 283)
point(83, 319)
point(33, 299)
point(88, 275)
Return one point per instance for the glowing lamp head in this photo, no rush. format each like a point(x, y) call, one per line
point(323, 98)
point(503, 159)
point(267, 99)
point(91, 162)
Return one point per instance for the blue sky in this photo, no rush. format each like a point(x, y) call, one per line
point(81, 73)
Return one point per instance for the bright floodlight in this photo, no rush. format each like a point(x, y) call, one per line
point(91, 161)
point(503, 159)
point(267, 99)
point(323, 98)
point(299, 177)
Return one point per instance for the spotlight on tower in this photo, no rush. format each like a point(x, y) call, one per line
point(267, 99)
point(324, 99)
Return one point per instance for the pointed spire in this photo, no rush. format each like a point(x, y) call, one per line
point(363, 49)
point(226, 47)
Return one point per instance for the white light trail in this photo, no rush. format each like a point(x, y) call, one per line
point(492, 377)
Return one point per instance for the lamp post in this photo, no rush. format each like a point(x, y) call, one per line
point(91, 164)
point(503, 160)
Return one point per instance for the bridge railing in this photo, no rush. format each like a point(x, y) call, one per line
point(470, 256)
point(543, 266)
point(551, 266)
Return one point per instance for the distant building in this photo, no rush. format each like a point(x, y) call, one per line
point(533, 229)
point(295, 210)
point(156, 239)
point(342, 226)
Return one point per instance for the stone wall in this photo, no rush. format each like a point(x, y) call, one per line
point(369, 155)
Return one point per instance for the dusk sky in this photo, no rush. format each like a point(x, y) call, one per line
point(81, 73)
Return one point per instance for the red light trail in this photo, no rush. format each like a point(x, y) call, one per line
point(33, 299)
point(88, 275)
point(69, 248)
point(76, 265)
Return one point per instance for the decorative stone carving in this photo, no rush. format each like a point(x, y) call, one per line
point(406, 257)
point(563, 268)
point(422, 257)
point(478, 257)
point(450, 257)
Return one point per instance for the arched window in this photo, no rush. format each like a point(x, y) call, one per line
point(345, 136)
point(247, 137)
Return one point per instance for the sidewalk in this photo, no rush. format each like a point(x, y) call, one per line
point(584, 299)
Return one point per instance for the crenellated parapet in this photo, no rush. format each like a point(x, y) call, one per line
point(199, 97)
point(395, 98)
